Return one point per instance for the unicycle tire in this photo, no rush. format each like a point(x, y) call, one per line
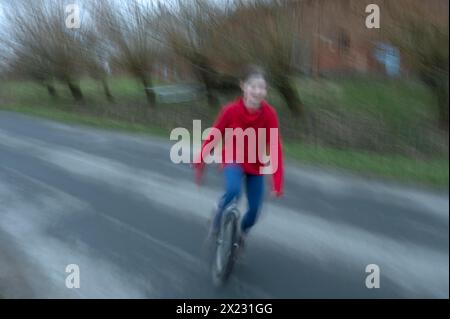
point(225, 249)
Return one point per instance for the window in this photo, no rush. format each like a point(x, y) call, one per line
point(343, 42)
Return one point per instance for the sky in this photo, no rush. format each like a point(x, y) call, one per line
point(5, 2)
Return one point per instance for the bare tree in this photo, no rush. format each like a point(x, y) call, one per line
point(34, 68)
point(128, 28)
point(96, 60)
point(189, 28)
point(264, 32)
point(44, 47)
point(421, 32)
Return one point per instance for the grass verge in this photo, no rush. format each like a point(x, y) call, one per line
point(431, 173)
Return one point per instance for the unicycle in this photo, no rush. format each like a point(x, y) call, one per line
point(226, 245)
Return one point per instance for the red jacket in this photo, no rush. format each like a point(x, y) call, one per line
point(237, 115)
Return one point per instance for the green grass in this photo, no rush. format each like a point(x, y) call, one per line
point(394, 102)
point(67, 116)
point(433, 173)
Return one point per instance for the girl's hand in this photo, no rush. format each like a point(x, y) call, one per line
point(198, 172)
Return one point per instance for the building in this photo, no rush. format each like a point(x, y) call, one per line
point(334, 37)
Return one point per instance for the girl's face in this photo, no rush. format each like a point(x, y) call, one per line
point(255, 90)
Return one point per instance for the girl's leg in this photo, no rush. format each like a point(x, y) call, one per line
point(255, 195)
point(233, 178)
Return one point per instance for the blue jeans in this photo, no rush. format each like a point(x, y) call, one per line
point(233, 175)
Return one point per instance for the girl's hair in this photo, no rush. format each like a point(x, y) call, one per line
point(251, 70)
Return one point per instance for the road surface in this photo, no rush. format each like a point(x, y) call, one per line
point(134, 223)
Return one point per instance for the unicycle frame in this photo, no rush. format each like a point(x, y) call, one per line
point(226, 245)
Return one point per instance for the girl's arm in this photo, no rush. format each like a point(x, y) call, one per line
point(220, 124)
point(276, 150)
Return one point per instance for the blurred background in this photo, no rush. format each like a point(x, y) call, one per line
point(342, 90)
point(370, 102)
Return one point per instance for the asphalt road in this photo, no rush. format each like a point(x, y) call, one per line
point(135, 223)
